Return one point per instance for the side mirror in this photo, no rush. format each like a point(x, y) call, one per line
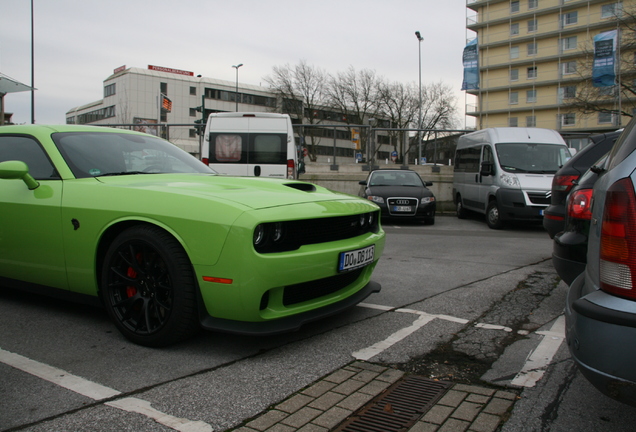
point(487, 169)
point(11, 170)
point(428, 183)
point(362, 182)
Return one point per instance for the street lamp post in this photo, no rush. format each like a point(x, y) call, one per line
point(237, 93)
point(419, 123)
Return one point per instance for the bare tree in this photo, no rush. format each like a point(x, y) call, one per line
point(302, 90)
point(399, 104)
point(620, 99)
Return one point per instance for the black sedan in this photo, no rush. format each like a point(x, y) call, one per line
point(569, 252)
point(401, 194)
point(567, 176)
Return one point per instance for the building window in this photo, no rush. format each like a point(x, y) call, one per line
point(568, 43)
point(163, 87)
point(514, 74)
point(567, 92)
point(193, 112)
point(568, 119)
point(611, 10)
point(514, 52)
point(532, 25)
point(531, 96)
point(569, 18)
point(514, 6)
point(605, 118)
point(531, 121)
point(532, 72)
point(607, 91)
point(569, 68)
point(533, 4)
point(109, 90)
point(514, 98)
point(193, 91)
point(532, 48)
point(514, 29)
point(513, 122)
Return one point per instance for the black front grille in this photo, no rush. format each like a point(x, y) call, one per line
point(542, 198)
point(311, 231)
point(402, 206)
point(305, 291)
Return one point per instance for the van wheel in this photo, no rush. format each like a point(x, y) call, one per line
point(461, 211)
point(493, 217)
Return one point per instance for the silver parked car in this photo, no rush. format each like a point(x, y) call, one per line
point(601, 302)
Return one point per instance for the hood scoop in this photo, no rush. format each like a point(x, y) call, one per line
point(304, 187)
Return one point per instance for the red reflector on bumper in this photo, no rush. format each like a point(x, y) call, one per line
point(217, 280)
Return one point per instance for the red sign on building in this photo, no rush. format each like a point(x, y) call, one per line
point(170, 70)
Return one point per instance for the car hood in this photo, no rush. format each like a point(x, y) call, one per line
point(251, 192)
point(399, 191)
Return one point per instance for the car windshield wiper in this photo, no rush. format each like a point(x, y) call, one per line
point(123, 173)
point(511, 168)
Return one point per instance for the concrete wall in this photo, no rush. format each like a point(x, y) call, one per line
point(346, 177)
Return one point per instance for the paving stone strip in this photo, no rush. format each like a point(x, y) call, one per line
point(324, 405)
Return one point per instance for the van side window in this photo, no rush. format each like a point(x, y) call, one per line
point(228, 148)
point(467, 160)
point(488, 155)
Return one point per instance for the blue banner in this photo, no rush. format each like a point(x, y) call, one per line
point(471, 66)
point(604, 67)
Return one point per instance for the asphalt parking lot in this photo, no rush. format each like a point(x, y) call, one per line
point(463, 304)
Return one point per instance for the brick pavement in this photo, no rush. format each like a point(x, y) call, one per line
point(325, 404)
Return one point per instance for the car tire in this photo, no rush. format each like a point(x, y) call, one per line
point(461, 211)
point(493, 216)
point(148, 287)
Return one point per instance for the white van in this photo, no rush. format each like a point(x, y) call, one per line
point(506, 173)
point(250, 144)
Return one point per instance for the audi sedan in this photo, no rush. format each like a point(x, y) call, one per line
point(167, 246)
point(401, 195)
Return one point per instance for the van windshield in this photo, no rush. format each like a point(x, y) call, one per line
point(532, 158)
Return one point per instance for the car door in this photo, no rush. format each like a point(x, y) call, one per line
point(30, 220)
point(486, 182)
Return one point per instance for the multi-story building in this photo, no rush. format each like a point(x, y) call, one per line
point(535, 63)
point(174, 97)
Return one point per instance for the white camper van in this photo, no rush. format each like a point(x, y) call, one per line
point(250, 144)
point(506, 173)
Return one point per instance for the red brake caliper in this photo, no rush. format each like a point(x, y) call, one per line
point(131, 273)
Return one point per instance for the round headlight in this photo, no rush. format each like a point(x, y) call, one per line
point(371, 219)
point(259, 235)
point(278, 231)
point(363, 220)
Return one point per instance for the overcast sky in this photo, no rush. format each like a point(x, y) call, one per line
point(78, 43)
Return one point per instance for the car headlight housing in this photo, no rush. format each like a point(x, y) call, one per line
point(427, 200)
point(376, 199)
point(510, 180)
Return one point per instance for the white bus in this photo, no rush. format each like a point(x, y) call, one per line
point(250, 144)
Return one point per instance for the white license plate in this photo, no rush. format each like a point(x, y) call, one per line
point(402, 209)
point(356, 258)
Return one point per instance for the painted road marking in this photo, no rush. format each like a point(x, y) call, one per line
point(541, 357)
point(533, 369)
point(98, 392)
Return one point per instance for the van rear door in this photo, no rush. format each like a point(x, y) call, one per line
point(268, 142)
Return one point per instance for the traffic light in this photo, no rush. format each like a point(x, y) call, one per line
point(199, 126)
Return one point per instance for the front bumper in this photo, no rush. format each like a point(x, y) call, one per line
point(513, 207)
point(600, 339)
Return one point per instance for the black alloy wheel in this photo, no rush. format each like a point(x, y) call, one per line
point(148, 287)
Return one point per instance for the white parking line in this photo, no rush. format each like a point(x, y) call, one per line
point(533, 369)
point(541, 357)
point(98, 392)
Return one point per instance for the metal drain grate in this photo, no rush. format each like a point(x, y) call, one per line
point(398, 408)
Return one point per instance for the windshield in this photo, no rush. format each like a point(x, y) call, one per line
point(395, 178)
point(532, 158)
point(93, 154)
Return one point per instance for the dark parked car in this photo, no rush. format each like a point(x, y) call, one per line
point(400, 194)
point(601, 302)
point(569, 248)
point(554, 214)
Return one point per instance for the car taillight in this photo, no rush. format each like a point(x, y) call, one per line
point(205, 161)
point(579, 204)
point(618, 240)
point(563, 183)
point(290, 169)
